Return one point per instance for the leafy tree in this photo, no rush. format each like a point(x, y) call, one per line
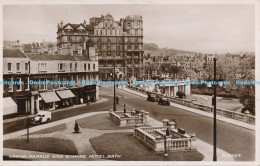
point(247, 93)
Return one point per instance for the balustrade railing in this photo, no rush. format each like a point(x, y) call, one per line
point(223, 112)
point(143, 134)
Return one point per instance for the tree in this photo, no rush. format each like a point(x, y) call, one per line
point(247, 93)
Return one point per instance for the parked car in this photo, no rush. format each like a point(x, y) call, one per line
point(164, 101)
point(152, 97)
point(41, 117)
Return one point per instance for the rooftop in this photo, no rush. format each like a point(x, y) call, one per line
point(50, 57)
point(13, 53)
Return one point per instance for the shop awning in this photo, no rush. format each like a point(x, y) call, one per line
point(49, 97)
point(64, 94)
point(9, 106)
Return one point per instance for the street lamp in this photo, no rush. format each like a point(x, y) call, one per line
point(215, 121)
point(114, 109)
point(27, 126)
point(124, 109)
point(167, 133)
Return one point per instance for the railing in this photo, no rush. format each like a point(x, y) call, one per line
point(128, 118)
point(176, 144)
point(158, 144)
point(134, 120)
point(223, 112)
point(115, 118)
point(150, 130)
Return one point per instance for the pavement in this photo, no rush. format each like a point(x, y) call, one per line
point(101, 100)
point(83, 145)
point(197, 111)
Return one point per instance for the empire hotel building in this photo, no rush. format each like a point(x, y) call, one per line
point(119, 42)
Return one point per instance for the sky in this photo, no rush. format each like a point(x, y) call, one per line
point(207, 28)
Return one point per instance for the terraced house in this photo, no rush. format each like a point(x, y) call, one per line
point(48, 81)
point(119, 42)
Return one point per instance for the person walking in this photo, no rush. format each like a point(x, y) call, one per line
point(117, 99)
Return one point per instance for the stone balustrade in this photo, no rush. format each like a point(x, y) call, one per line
point(223, 112)
point(154, 137)
point(129, 118)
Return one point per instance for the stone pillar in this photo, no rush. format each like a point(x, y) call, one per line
point(172, 125)
point(28, 110)
point(53, 105)
point(175, 90)
point(122, 122)
point(37, 104)
point(97, 92)
point(32, 105)
point(146, 117)
point(142, 113)
point(165, 122)
point(192, 139)
point(187, 90)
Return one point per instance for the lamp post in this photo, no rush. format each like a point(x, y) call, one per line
point(114, 109)
point(167, 133)
point(27, 126)
point(215, 121)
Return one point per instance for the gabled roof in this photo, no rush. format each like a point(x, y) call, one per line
point(13, 53)
point(50, 57)
point(75, 26)
point(108, 16)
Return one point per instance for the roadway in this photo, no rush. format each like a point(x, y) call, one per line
point(233, 139)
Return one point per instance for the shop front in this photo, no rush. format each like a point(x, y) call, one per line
point(90, 93)
point(67, 98)
point(9, 106)
point(48, 101)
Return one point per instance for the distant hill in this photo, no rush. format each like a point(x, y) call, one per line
point(150, 47)
point(163, 51)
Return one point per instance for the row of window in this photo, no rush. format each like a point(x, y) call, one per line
point(117, 39)
point(116, 47)
point(18, 67)
point(61, 66)
point(18, 82)
point(107, 32)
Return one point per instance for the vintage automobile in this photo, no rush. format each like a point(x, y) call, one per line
point(41, 117)
point(164, 101)
point(152, 97)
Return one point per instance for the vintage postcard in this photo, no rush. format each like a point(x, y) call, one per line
point(151, 83)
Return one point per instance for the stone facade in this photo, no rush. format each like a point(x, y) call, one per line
point(39, 80)
point(114, 41)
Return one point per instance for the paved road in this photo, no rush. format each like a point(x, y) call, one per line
point(19, 124)
point(233, 139)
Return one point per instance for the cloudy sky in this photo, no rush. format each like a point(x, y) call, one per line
point(201, 28)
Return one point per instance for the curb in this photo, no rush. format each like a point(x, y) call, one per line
point(58, 110)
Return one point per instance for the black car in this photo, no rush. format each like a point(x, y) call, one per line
point(164, 101)
point(152, 97)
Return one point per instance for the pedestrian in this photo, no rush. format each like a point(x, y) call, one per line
point(76, 127)
point(117, 99)
point(88, 100)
